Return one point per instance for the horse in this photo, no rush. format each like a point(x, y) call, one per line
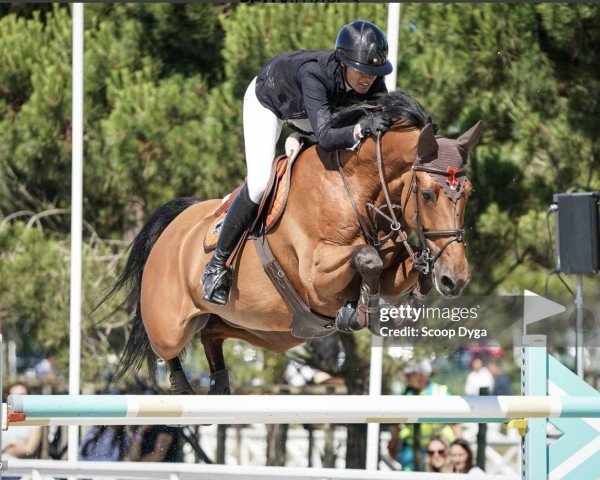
point(332, 251)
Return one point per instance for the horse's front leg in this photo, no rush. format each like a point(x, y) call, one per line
point(212, 337)
point(358, 314)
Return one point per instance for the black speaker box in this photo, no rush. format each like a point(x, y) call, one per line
point(577, 232)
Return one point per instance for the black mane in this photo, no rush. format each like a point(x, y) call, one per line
point(399, 105)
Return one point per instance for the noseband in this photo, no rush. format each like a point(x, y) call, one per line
point(424, 261)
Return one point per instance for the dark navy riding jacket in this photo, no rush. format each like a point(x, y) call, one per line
point(310, 84)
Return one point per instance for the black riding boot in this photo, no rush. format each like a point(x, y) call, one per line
point(217, 277)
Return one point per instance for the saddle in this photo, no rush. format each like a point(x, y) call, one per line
point(271, 207)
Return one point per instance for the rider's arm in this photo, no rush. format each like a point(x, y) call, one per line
point(319, 113)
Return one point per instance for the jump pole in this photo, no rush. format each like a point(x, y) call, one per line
point(196, 409)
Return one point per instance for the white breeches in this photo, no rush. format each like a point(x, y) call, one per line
point(262, 129)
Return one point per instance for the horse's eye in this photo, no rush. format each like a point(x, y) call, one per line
point(427, 195)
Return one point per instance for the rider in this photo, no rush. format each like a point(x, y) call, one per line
point(302, 88)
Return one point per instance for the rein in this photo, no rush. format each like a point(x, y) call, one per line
point(425, 261)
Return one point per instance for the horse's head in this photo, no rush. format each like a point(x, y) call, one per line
point(434, 206)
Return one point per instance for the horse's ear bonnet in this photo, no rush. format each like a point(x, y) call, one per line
point(448, 156)
point(467, 140)
point(427, 147)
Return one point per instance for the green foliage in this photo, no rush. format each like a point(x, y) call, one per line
point(34, 307)
point(34, 145)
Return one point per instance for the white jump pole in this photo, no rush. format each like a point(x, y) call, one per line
point(393, 36)
point(293, 409)
point(76, 221)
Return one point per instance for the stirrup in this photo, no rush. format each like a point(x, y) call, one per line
point(213, 280)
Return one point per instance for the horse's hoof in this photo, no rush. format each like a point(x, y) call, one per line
point(220, 391)
point(219, 383)
point(180, 384)
point(345, 319)
point(182, 392)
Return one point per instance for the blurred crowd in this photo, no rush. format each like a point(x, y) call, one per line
point(441, 447)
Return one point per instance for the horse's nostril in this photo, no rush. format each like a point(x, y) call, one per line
point(448, 283)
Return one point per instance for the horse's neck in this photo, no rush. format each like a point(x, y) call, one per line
point(361, 167)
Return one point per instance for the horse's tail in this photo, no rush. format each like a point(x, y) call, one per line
point(138, 348)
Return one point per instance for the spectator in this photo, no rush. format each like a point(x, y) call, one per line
point(437, 455)
point(155, 443)
point(502, 384)
point(105, 443)
point(479, 377)
point(298, 375)
point(46, 368)
point(20, 442)
point(461, 456)
point(403, 438)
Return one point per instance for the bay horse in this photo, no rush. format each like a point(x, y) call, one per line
point(328, 246)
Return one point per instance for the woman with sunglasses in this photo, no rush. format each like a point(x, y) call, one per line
point(437, 455)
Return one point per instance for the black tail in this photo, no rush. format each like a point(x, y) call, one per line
point(138, 345)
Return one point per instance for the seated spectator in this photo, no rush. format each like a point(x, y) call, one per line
point(46, 368)
point(155, 443)
point(479, 377)
point(462, 458)
point(105, 443)
point(437, 455)
point(298, 375)
point(502, 384)
point(21, 442)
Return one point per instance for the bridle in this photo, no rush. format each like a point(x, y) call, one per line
point(425, 261)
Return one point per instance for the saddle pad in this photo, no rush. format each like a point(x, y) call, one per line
point(277, 193)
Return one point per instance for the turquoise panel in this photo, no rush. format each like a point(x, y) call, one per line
point(566, 380)
point(577, 434)
point(588, 470)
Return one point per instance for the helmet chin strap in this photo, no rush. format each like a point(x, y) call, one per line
point(345, 73)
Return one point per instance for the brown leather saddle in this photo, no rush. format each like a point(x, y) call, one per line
point(306, 323)
point(271, 206)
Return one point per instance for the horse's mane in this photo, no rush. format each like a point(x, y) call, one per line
point(399, 105)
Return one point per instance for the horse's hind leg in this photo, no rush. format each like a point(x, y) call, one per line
point(356, 315)
point(177, 378)
point(212, 338)
point(179, 382)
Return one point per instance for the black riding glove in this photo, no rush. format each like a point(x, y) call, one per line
point(373, 123)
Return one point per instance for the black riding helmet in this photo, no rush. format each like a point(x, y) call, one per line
point(363, 47)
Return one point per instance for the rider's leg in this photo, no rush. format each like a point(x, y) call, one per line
point(217, 277)
point(261, 131)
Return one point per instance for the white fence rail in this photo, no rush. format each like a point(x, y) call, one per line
point(48, 469)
